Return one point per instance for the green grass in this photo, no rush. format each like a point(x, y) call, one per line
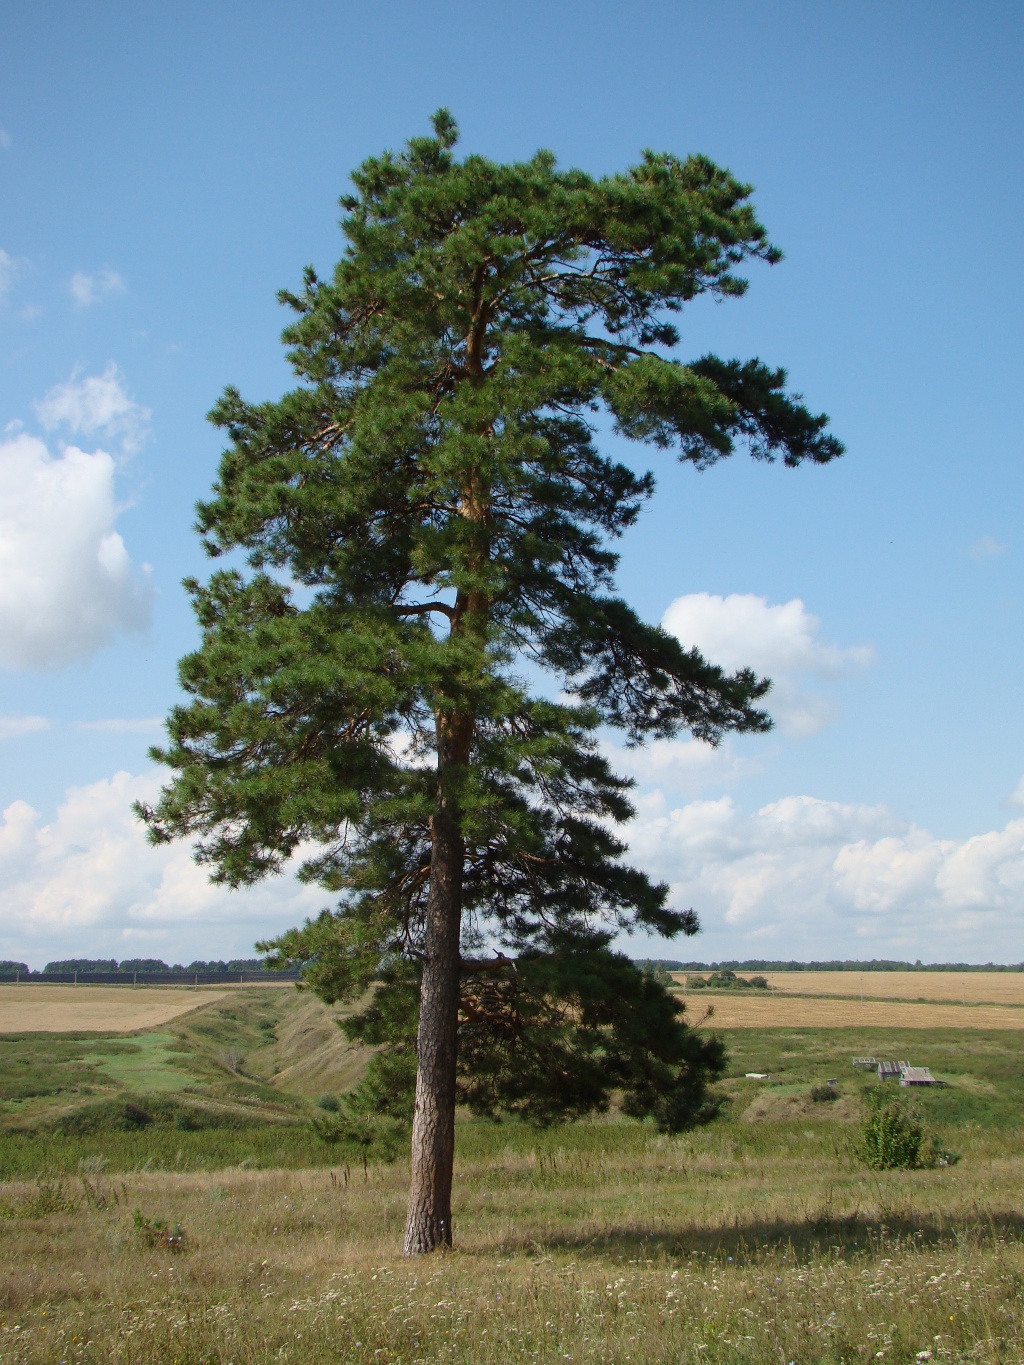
point(756, 1240)
point(151, 1064)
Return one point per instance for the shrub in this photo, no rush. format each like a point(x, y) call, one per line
point(892, 1136)
point(158, 1233)
point(823, 1094)
point(328, 1102)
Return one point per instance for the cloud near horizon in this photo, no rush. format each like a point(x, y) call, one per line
point(839, 880)
point(87, 884)
point(799, 877)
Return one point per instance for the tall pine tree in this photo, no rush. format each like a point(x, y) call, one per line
point(426, 521)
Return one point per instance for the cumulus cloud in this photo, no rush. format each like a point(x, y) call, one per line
point(88, 883)
point(811, 878)
point(67, 584)
point(799, 877)
point(783, 641)
point(1016, 797)
point(684, 767)
point(13, 727)
point(96, 405)
point(88, 289)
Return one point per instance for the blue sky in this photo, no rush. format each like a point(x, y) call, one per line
point(163, 171)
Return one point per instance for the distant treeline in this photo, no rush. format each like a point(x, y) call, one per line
point(134, 967)
point(875, 965)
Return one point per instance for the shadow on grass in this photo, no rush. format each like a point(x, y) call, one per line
point(846, 1237)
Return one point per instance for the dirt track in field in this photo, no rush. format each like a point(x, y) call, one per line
point(94, 1009)
point(762, 1011)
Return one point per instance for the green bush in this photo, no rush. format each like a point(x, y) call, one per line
point(892, 1136)
point(824, 1094)
point(329, 1103)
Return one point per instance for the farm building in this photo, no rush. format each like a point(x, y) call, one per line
point(868, 1062)
point(917, 1075)
point(891, 1071)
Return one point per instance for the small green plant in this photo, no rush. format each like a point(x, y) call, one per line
point(934, 1154)
point(49, 1196)
point(328, 1102)
point(158, 1233)
point(892, 1136)
point(824, 1094)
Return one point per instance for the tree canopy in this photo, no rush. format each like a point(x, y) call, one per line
point(427, 524)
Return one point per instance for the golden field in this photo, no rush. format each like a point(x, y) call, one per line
point(987, 988)
point(747, 1009)
point(94, 1009)
point(977, 988)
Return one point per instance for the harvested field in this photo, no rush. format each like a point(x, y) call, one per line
point(978, 988)
point(733, 1009)
point(94, 1009)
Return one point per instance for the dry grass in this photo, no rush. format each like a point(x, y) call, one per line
point(309, 1054)
point(749, 1010)
point(655, 1250)
point(94, 1009)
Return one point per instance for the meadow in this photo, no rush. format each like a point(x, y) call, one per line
point(224, 1230)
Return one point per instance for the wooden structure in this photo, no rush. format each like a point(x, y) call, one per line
point(917, 1075)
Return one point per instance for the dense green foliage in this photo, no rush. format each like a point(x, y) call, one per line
point(425, 515)
point(893, 1134)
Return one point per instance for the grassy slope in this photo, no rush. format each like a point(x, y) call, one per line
point(231, 1082)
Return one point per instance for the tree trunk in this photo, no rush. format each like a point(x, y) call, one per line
point(429, 1221)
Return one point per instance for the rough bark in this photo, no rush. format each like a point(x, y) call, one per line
point(429, 1221)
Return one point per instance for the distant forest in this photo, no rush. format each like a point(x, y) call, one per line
point(135, 966)
point(152, 966)
point(875, 965)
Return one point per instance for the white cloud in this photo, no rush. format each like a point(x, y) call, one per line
point(87, 883)
point(985, 547)
point(67, 584)
point(684, 767)
point(96, 405)
point(1016, 797)
point(89, 289)
point(12, 727)
point(809, 878)
point(783, 642)
point(8, 270)
point(123, 724)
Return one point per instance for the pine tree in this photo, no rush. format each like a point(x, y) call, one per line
point(427, 522)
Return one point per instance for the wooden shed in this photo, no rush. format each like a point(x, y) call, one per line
point(917, 1075)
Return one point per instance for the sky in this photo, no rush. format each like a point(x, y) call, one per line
point(164, 170)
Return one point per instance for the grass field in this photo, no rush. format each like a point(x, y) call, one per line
point(758, 1238)
point(94, 1009)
